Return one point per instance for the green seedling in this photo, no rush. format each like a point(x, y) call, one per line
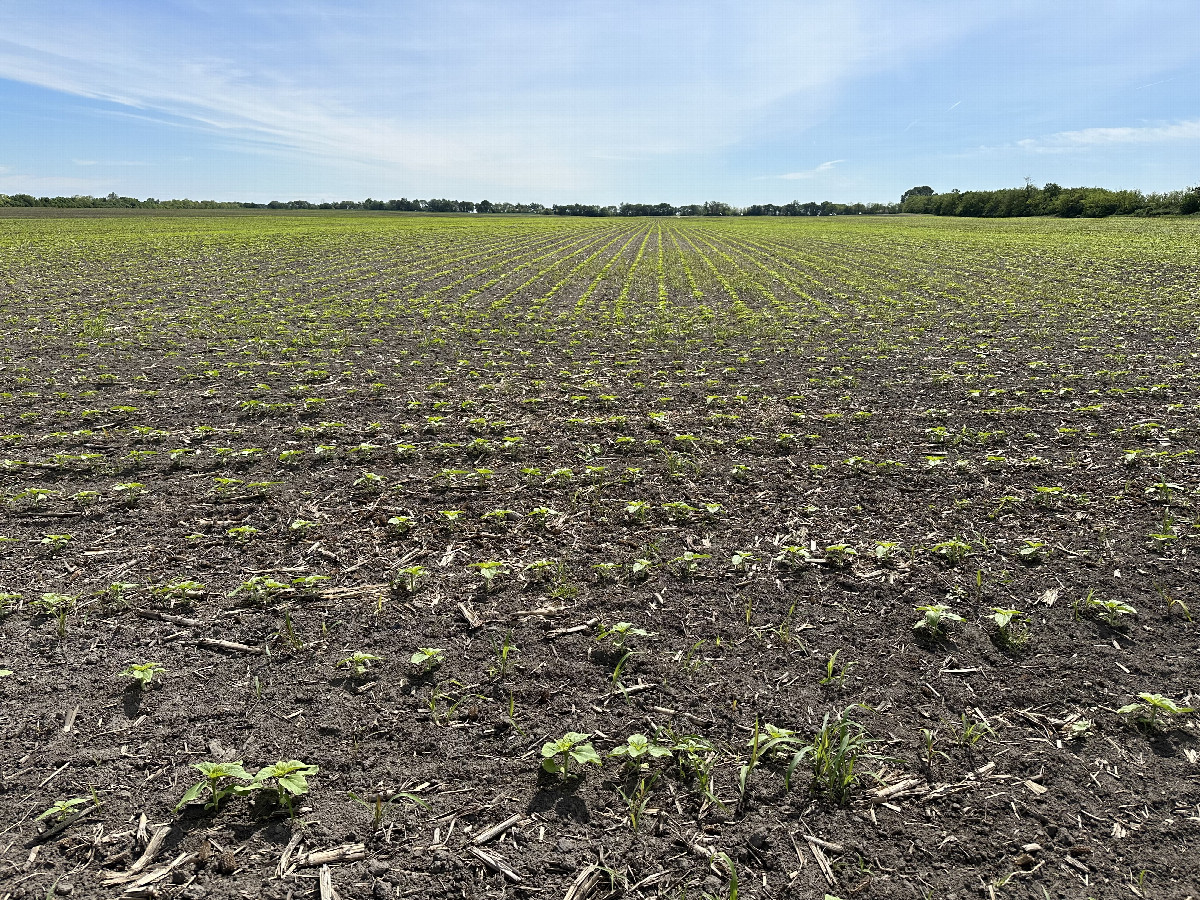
point(57, 605)
point(1032, 551)
point(1151, 706)
point(840, 555)
point(55, 543)
point(694, 757)
point(951, 551)
point(426, 659)
point(408, 578)
point(506, 652)
point(1111, 612)
point(767, 742)
point(834, 754)
point(617, 635)
point(260, 588)
point(358, 663)
point(637, 510)
point(143, 673)
point(381, 807)
point(61, 810)
point(742, 560)
point(489, 571)
point(937, 620)
point(305, 585)
point(792, 556)
point(637, 799)
point(688, 564)
point(1011, 628)
point(290, 779)
point(540, 571)
point(214, 774)
point(573, 746)
point(968, 732)
point(400, 525)
point(640, 569)
point(1078, 729)
point(835, 675)
point(639, 749)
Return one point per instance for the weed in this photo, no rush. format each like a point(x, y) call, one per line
point(637, 799)
point(834, 754)
point(505, 657)
point(835, 675)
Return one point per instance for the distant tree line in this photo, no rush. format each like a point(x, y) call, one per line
point(711, 208)
point(1049, 200)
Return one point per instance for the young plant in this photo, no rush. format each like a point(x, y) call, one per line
point(951, 551)
point(426, 659)
point(358, 663)
point(1011, 628)
point(505, 651)
point(408, 578)
point(1150, 707)
point(290, 779)
point(834, 755)
point(937, 620)
point(1111, 612)
point(214, 774)
point(260, 588)
point(142, 673)
point(637, 799)
point(834, 674)
point(573, 746)
point(489, 571)
point(57, 605)
point(616, 635)
point(688, 564)
point(63, 809)
point(767, 742)
point(742, 560)
point(639, 749)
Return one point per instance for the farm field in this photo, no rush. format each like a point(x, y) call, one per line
point(846, 556)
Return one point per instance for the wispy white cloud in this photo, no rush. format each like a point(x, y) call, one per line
point(1089, 138)
point(441, 96)
point(108, 162)
point(812, 173)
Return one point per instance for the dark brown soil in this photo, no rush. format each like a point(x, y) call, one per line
point(900, 403)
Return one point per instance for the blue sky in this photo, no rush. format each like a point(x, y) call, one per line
point(599, 102)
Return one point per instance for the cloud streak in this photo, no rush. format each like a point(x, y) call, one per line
point(465, 92)
point(1091, 138)
point(812, 173)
